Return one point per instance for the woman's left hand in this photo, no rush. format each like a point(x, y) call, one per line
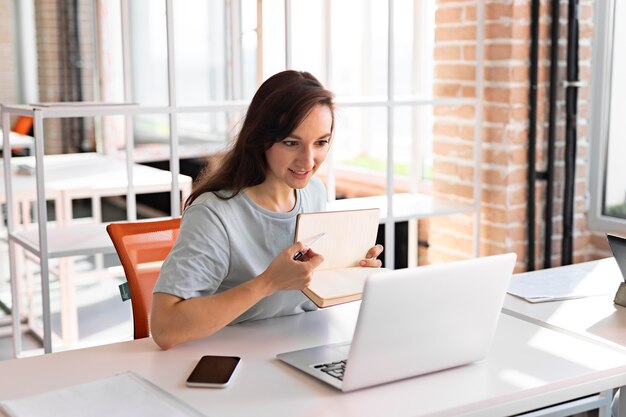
point(370, 259)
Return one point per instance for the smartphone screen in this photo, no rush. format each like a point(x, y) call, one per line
point(213, 371)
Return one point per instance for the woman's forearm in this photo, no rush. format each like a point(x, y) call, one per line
point(174, 320)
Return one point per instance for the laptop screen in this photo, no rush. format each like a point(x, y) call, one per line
point(618, 247)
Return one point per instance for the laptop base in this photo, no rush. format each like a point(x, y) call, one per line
point(620, 295)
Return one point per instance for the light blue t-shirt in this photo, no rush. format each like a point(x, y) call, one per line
point(224, 243)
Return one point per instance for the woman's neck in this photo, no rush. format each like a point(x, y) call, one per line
point(272, 198)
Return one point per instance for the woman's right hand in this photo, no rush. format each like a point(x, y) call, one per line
point(285, 273)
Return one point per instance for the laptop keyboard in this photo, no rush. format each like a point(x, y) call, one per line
point(334, 369)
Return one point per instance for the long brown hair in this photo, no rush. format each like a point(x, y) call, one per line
point(280, 104)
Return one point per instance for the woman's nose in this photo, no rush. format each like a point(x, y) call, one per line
point(307, 156)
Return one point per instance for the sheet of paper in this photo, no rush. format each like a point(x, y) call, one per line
point(127, 394)
point(575, 281)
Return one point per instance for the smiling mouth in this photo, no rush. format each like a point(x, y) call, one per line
point(299, 172)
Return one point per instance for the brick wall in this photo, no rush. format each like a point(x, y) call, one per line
point(48, 68)
point(88, 68)
point(505, 129)
point(8, 56)
point(51, 75)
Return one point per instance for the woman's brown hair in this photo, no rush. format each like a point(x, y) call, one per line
point(280, 104)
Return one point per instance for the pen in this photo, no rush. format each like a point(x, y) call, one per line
point(311, 243)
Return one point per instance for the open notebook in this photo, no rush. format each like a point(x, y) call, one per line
point(348, 235)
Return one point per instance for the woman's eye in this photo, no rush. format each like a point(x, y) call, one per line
point(322, 143)
point(289, 143)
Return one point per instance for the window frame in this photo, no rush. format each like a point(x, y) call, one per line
point(603, 50)
point(391, 101)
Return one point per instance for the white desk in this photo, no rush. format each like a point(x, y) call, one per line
point(595, 317)
point(83, 176)
point(591, 318)
point(529, 367)
point(405, 206)
point(19, 141)
point(77, 176)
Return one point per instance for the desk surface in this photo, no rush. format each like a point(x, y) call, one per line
point(594, 317)
point(528, 367)
point(405, 206)
point(84, 174)
point(17, 140)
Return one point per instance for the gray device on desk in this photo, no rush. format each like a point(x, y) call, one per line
point(618, 247)
point(415, 321)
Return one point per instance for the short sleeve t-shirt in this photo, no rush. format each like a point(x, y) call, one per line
point(224, 243)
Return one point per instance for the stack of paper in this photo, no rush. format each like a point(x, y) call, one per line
point(564, 283)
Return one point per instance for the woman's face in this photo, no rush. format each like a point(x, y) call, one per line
point(295, 159)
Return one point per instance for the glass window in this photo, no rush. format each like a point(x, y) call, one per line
point(148, 40)
point(216, 55)
point(199, 36)
point(215, 46)
point(359, 48)
point(413, 43)
point(307, 30)
point(361, 139)
point(358, 74)
point(608, 145)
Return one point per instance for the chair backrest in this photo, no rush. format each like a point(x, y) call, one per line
point(142, 246)
point(23, 125)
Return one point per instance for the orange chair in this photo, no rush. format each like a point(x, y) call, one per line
point(142, 246)
point(23, 125)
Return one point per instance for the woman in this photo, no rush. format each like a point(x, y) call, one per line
point(233, 260)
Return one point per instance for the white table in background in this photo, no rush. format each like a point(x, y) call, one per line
point(406, 207)
point(93, 176)
point(19, 141)
point(529, 367)
point(81, 176)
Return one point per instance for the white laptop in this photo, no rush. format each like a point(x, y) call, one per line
point(415, 321)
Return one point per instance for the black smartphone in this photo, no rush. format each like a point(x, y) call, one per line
point(213, 371)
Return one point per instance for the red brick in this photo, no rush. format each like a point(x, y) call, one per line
point(498, 31)
point(447, 90)
point(462, 112)
point(470, 13)
point(455, 72)
point(497, 11)
point(449, 189)
point(463, 33)
point(447, 52)
point(469, 52)
point(448, 15)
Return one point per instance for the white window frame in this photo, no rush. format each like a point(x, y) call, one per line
point(391, 102)
point(395, 208)
point(603, 50)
